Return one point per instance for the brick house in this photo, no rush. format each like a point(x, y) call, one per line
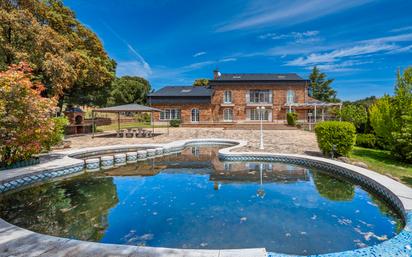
point(231, 99)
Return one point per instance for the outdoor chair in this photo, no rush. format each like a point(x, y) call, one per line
point(121, 133)
point(129, 133)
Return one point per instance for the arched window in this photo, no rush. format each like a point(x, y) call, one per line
point(195, 115)
point(227, 98)
point(227, 114)
point(290, 97)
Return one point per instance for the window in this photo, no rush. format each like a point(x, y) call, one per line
point(227, 114)
point(290, 97)
point(170, 114)
point(260, 96)
point(227, 98)
point(195, 115)
point(253, 114)
point(195, 151)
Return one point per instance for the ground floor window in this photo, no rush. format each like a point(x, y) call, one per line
point(254, 114)
point(227, 114)
point(195, 115)
point(170, 114)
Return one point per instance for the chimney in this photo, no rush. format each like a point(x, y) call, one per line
point(216, 74)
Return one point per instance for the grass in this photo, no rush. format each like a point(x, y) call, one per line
point(383, 162)
point(113, 126)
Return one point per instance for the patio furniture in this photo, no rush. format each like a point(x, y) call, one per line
point(121, 133)
point(129, 133)
point(127, 108)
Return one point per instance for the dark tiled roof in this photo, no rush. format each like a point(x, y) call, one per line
point(182, 91)
point(179, 100)
point(258, 77)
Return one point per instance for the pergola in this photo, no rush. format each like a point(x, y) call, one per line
point(135, 108)
point(314, 104)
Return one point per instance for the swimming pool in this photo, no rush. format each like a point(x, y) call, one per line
point(193, 200)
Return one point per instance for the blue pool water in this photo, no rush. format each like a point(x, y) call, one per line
point(192, 200)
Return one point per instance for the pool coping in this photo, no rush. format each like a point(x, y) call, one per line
point(16, 241)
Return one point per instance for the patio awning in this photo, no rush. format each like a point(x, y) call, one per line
point(128, 108)
point(312, 102)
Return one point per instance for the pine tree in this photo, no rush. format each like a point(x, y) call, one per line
point(320, 87)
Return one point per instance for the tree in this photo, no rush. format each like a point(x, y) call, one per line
point(127, 89)
point(402, 134)
point(320, 88)
point(382, 120)
point(356, 114)
point(25, 116)
point(391, 118)
point(66, 57)
point(201, 83)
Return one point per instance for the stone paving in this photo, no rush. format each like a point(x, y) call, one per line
point(280, 141)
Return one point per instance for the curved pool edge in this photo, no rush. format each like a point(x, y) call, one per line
point(16, 241)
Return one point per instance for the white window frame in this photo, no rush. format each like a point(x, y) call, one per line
point(227, 97)
point(257, 96)
point(195, 115)
point(170, 114)
point(227, 114)
point(254, 114)
point(290, 97)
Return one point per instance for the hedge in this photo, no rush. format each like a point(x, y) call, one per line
point(175, 123)
point(291, 117)
point(335, 136)
point(366, 140)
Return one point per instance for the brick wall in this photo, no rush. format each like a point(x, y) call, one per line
point(239, 106)
point(205, 113)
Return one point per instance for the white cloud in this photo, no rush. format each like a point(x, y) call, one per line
point(397, 38)
point(340, 67)
point(146, 67)
point(336, 55)
point(402, 29)
point(293, 35)
point(199, 54)
point(138, 67)
point(402, 50)
point(229, 59)
point(133, 68)
point(270, 13)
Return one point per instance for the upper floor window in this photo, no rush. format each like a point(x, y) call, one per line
point(170, 114)
point(227, 98)
point(260, 96)
point(290, 97)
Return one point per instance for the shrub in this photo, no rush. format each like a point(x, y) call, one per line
point(57, 134)
point(175, 123)
point(357, 114)
point(366, 140)
point(25, 122)
point(291, 118)
point(334, 136)
point(381, 115)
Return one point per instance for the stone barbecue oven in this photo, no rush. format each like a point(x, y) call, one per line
point(77, 124)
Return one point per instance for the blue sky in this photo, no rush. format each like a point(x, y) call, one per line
point(360, 44)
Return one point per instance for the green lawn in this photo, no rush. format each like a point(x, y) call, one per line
point(382, 162)
point(113, 126)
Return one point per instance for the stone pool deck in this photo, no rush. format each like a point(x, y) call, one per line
point(279, 141)
point(15, 241)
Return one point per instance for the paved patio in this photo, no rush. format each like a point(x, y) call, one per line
point(281, 141)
